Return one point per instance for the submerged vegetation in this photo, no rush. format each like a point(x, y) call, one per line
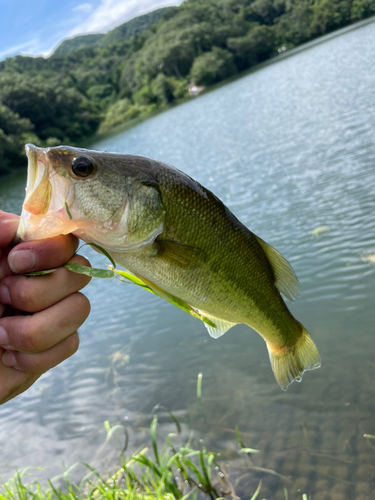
point(170, 473)
point(92, 83)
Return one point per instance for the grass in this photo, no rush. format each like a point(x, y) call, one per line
point(169, 473)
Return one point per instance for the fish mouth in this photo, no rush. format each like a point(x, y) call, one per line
point(38, 187)
point(44, 212)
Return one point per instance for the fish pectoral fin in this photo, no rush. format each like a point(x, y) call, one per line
point(222, 326)
point(178, 254)
point(286, 280)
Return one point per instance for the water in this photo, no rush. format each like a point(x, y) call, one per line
point(288, 148)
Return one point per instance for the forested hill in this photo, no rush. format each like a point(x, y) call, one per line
point(120, 33)
point(67, 98)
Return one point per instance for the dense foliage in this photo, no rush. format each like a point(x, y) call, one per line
point(67, 97)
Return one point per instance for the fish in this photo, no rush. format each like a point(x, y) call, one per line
point(176, 236)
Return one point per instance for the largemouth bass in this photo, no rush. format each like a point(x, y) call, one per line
point(176, 236)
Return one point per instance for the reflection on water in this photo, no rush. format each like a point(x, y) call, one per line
point(288, 148)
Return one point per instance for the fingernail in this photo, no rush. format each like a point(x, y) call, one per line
point(4, 295)
point(22, 260)
point(3, 336)
point(9, 359)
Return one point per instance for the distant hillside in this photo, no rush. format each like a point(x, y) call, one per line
point(120, 33)
point(78, 42)
point(133, 27)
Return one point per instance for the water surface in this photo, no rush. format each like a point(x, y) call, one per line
point(288, 148)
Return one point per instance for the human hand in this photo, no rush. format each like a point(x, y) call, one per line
point(39, 315)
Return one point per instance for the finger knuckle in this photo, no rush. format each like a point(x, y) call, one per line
point(29, 338)
point(26, 295)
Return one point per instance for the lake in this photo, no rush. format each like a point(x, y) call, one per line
point(288, 148)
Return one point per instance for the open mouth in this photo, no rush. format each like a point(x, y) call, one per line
point(44, 211)
point(38, 188)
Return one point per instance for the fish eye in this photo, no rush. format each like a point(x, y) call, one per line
point(82, 166)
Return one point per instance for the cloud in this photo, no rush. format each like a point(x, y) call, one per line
point(31, 47)
point(83, 7)
point(111, 13)
point(107, 15)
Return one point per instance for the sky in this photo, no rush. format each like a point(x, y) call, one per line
point(36, 27)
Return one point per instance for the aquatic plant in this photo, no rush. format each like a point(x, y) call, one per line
point(170, 473)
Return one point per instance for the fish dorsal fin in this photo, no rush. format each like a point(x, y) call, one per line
point(285, 279)
point(178, 254)
point(222, 326)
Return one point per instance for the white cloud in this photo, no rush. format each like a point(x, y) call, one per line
point(31, 47)
point(83, 7)
point(111, 13)
point(107, 15)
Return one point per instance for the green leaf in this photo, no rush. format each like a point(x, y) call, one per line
point(40, 273)
point(248, 450)
point(88, 271)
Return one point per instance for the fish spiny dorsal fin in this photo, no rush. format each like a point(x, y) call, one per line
point(222, 326)
point(285, 279)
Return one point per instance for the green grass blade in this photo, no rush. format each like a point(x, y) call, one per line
point(239, 439)
point(206, 471)
point(104, 252)
point(199, 385)
point(153, 439)
point(68, 211)
point(257, 491)
point(249, 450)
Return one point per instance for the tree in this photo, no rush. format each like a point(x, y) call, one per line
point(14, 133)
point(54, 110)
point(362, 9)
point(268, 10)
point(330, 14)
point(213, 66)
point(257, 46)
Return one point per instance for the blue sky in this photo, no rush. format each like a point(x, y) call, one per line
point(36, 27)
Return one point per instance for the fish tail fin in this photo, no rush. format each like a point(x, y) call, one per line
point(290, 363)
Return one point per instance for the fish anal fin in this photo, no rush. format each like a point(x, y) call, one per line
point(180, 255)
point(222, 326)
point(286, 280)
point(290, 363)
